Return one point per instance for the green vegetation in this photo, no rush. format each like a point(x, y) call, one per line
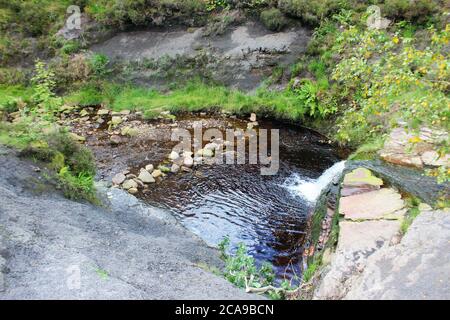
point(273, 19)
point(32, 132)
point(194, 96)
point(412, 204)
point(241, 270)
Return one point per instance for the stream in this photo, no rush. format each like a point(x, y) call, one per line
point(267, 213)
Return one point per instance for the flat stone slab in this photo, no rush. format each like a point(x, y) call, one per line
point(379, 204)
point(367, 235)
point(416, 268)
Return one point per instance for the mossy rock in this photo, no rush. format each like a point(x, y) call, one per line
point(361, 177)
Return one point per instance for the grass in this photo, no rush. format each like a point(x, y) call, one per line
point(9, 95)
point(195, 96)
point(413, 211)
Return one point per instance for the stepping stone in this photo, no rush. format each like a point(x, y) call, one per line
point(362, 177)
point(379, 204)
point(359, 181)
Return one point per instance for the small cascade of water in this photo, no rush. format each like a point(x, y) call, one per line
point(310, 189)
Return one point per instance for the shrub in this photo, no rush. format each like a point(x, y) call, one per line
point(99, 63)
point(410, 10)
point(273, 19)
point(241, 269)
point(310, 11)
point(77, 186)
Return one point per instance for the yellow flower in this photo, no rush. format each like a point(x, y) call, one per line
point(395, 40)
point(415, 139)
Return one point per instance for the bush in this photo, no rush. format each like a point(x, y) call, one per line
point(147, 12)
point(310, 11)
point(99, 63)
point(273, 19)
point(418, 11)
point(78, 186)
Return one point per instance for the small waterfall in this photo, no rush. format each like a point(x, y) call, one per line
point(310, 189)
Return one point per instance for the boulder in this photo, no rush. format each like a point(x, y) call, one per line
point(146, 177)
point(133, 190)
point(116, 120)
point(149, 168)
point(432, 158)
point(84, 113)
point(119, 178)
point(129, 184)
point(175, 168)
point(174, 155)
point(208, 153)
point(115, 140)
point(103, 112)
point(188, 162)
point(157, 173)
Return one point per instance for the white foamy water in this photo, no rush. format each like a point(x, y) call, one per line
point(310, 189)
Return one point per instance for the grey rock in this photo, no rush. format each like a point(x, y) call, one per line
point(146, 177)
point(125, 250)
point(119, 178)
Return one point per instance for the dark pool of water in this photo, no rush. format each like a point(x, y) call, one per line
point(237, 201)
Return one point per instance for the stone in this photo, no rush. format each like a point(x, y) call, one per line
point(175, 168)
point(133, 190)
point(362, 177)
point(402, 159)
point(157, 173)
point(84, 113)
point(149, 168)
point(371, 205)
point(174, 155)
point(253, 117)
point(125, 112)
point(366, 235)
point(208, 153)
point(128, 131)
point(119, 178)
point(146, 177)
point(188, 162)
point(103, 112)
point(115, 140)
point(77, 137)
point(128, 184)
point(116, 120)
point(432, 158)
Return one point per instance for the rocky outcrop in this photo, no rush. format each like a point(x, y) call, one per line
point(242, 57)
point(415, 149)
point(372, 260)
point(416, 268)
point(54, 248)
